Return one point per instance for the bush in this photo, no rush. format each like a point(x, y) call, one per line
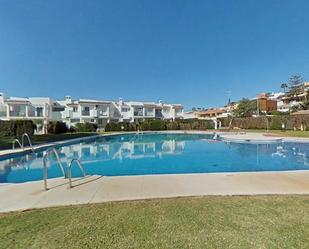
point(16, 127)
point(122, 126)
point(159, 125)
point(276, 123)
point(86, 127)
point(57, 127)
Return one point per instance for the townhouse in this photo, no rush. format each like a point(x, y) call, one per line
point(42, 110)
point(133, 111)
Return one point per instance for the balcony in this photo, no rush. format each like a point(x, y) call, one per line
point(85, 113)
point(138, 113)
point(158, 114)
point(17, 114)
point(149, 114)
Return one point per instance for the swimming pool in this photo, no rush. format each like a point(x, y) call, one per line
point(160, 154)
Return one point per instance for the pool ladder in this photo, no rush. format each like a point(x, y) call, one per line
point(69, 174)
point(22, 143)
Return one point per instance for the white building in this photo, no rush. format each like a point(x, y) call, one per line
point(42, 110)
point(133, 110)
point(39, 109)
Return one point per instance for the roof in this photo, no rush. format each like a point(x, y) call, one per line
point(93, 101)
point(211, 111)
point(16, 100)
point(177, 105)
point(135, 103)
point(150, 104)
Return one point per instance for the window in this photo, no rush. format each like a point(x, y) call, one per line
point(74, 109)
point(39, 111)
point(86, 111)
point(125, 109)
point(58, 109)
point(149, 111)
point(75, 120)
point(138, 111)
point(18, 110)
point(2, 111)
point(178, 110)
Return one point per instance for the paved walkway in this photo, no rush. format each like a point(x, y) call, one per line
point(95, 189)
point(259, 137)
point(10, 152)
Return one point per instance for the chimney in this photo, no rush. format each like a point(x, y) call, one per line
point(68, 99)
point(120, 101)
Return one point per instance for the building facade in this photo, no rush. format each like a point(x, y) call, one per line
point(43, 110)
point(265, 103)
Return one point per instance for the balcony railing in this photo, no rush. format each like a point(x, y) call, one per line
point(149, 114)
point(85, 113)
point(138, 114)
point(17, 114)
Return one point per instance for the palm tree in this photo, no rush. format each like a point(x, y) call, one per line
point(284, 86)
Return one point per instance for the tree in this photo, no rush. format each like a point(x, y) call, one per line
point(284, 86)
point(304, 105)
point(245, 108)
point(294, 108)
point(295, 84)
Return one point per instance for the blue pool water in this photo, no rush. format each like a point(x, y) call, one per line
point(160, 154)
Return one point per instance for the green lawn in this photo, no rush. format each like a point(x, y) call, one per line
point(6, 142)
point(292, 133)
point(210, 222)
point(283, 133)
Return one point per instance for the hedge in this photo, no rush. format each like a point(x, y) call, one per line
point(16, 127)
point(85, 127)
point(122, 126)
point(157, 125)
point(291, 122)
point(57, 127)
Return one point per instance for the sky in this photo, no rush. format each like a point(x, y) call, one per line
point(180, 51)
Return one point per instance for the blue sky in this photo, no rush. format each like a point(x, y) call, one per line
point(182, 51)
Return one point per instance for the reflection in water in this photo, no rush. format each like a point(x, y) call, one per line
point(161, 154)
point(102, 150)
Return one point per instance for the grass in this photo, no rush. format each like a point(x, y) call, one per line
point(287, 133)
point(6, 142)
point(291, 133)
point(210, 222)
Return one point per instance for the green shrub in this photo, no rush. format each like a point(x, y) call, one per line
point(86, 127)
point(276, 123)
point(173, 125)
point(57, 127)
point(16, 127)
point(108, 127)
point(159, 125)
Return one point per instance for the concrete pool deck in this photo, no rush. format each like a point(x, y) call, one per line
point(259, 137)
point(97, 189)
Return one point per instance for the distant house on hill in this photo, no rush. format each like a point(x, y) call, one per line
point(265, 103)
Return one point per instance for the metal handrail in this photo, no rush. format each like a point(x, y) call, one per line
point(70, 170)
point(22, 143)
point(29, 141)
point(47, 152)
point(13, 144)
